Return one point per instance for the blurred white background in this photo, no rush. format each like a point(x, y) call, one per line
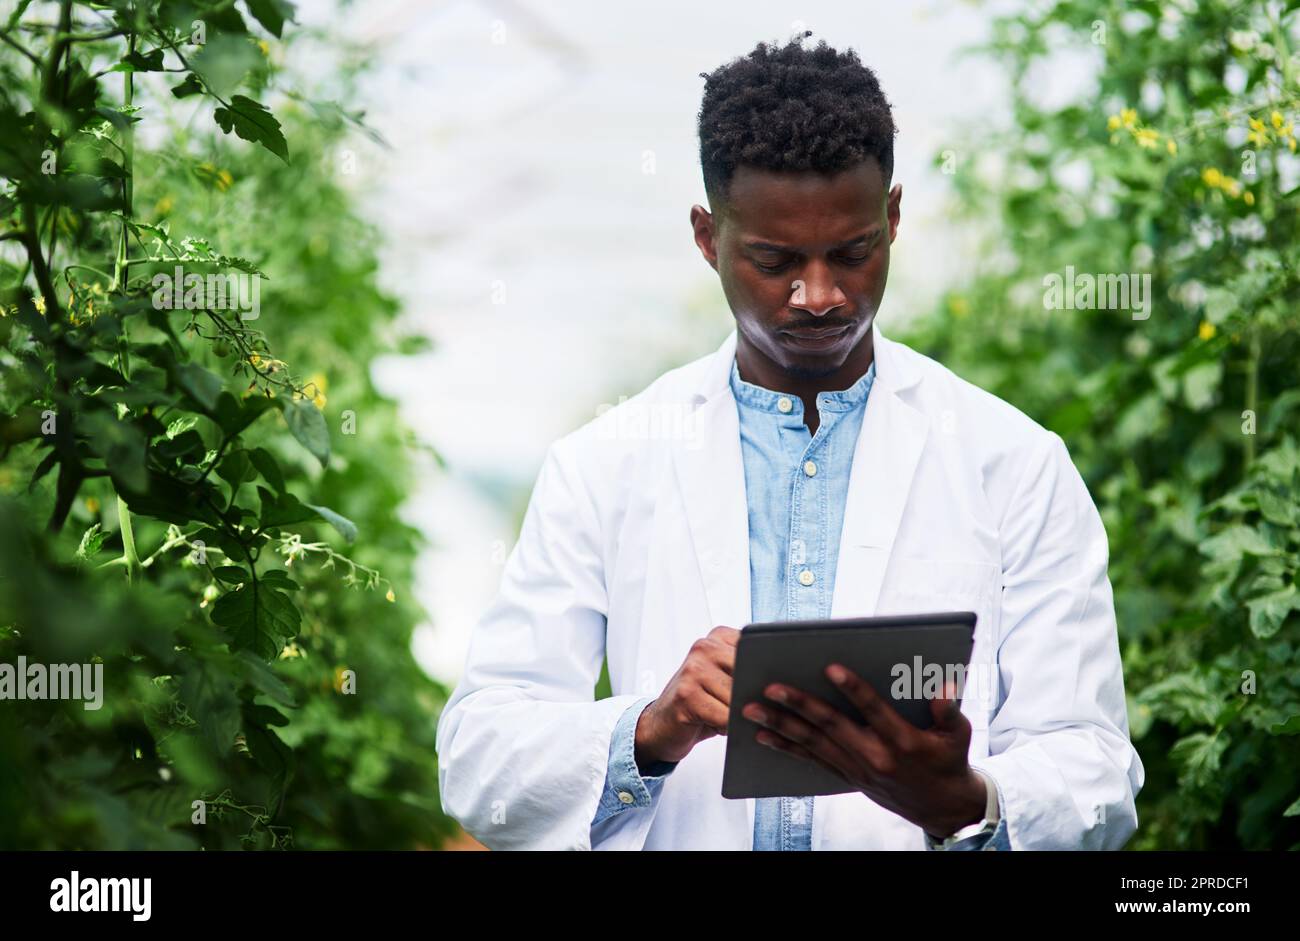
point(543, 164)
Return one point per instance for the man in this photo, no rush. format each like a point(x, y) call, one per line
point(819, 470)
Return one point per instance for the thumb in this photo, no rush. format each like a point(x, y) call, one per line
point(945, 709)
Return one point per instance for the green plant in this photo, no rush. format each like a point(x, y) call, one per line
point(183, 469)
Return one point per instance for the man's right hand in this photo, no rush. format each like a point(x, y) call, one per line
point(695, 703)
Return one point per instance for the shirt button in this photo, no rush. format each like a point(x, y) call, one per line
point(810, 469)
point(784, 405)
point(625, 797)
point(806, 577)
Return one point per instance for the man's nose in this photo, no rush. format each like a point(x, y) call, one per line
point(817, 293)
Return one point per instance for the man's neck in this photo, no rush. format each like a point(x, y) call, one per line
point(758, 369)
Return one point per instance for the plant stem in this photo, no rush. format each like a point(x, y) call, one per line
point(133, 567)
point(1252, 394)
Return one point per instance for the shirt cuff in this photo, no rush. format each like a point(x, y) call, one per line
point(625, 785)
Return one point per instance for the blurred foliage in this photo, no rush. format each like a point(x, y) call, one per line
point(186, 462)
point(1178, 162)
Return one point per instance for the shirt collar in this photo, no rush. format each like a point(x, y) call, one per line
point(766, 400)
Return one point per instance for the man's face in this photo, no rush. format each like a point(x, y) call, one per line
point(803, 258)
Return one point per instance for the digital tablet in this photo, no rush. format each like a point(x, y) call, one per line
point(904, 658)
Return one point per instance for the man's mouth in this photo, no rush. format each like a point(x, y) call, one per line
point(814, 338)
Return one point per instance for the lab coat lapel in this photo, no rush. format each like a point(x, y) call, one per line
point(888, 449)
point(711, 477)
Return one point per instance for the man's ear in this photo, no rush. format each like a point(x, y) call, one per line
point(892, 209)
point(706, 237)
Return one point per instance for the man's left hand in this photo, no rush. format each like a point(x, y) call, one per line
point(920, 774)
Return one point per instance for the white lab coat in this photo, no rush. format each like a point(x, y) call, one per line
point(635, 543)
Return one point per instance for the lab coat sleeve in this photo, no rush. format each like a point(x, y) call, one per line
point(1059, 743)
point(523, 746)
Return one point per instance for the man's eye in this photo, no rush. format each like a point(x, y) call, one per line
point(855, 259)
point(771, 268)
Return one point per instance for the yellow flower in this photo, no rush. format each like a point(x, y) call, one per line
point(1212, 177)
point(255, 359)
point(40, 304)
point(1248, 198)
point(1113, 123)
point(1231, 187)
point(164, 206)
point(1290, 142)
point(1128, 117)
point(92, 505)
point(1171, 145)
point(224, 179)
point(1276, 118)
point(1206, 330)
point(1147, 137)
point(390, 596)
point(266, 50)
point(1258, 133)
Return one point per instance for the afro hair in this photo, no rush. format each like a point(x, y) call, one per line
point(788, 108)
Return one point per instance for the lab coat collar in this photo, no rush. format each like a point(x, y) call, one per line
point(711, 478)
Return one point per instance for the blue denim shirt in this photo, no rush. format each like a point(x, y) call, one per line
point(795, 485)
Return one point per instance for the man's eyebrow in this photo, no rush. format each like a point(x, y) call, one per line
point(761, 246)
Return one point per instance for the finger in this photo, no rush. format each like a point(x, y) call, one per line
point(728, 635)
point(946, 710)
point(722, 655)
point(815, 711)
point(789, 725)
point(878, 713)
point(772, 740)
point(709, 711)
point(716, 683)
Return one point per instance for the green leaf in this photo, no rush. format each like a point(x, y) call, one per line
point(259, 618)
point(234, 415)
point(307, 424)
point(271, 14)
point(210, 697)
point(135, 62)
point(1293, 810)
point(1290, 727)
point(1234, 542)
point(201, 385)
point(91, 541)
point(283, 509)
point(344, 525)
point(232, 574)
point(190, 86)
point(1278, 509)
point(261, 676)
point(235, 468)
point(268, 467)
point(252, 122)
point(1198, 757)
point(122, 446)
point(1269, 611)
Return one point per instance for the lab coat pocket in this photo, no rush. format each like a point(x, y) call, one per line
point(914, 586)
